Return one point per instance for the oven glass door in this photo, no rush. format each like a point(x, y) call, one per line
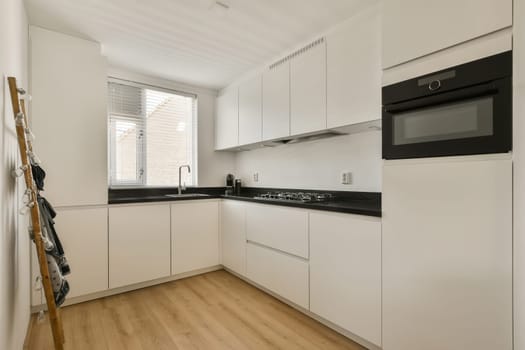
point(458, 120)
point(474, 120)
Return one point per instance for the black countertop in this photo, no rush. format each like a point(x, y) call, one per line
point(362, 203)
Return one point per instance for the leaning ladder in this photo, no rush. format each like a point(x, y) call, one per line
point(26, 149)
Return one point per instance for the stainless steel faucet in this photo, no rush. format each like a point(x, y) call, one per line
point(189, 171)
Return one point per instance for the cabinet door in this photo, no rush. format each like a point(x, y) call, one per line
point(139, 244)
point(72, 101)
point(195, 236)
point(276, 102)
point(308, 90)
point(233, 236)
point(84, 236)
point(250, 111)
point(227, 119)
point(414, 28)
point(345, 272)
point(281, 273)
point(447, 253)
point(354, 71)
point(288, 230)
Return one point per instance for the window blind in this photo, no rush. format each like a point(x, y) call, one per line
point(151, 135)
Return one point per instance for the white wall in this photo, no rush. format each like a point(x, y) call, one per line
point(519, 175)
point(212, 166)
point(14, 241)
point(316, 164)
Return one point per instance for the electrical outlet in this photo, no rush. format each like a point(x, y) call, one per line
point(346, 178)
point(255, 177)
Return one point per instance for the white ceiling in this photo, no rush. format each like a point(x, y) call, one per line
point(187, 40)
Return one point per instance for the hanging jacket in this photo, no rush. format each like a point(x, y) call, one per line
point(47, 214)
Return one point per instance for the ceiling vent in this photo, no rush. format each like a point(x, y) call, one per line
point(297, 53)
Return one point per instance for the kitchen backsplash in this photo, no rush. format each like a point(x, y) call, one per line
point(316, 164)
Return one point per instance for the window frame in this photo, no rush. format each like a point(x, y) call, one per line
point(141, 146)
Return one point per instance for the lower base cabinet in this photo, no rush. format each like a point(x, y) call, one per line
point(84, 236)
point(194, 235)
point(139, 244)
point(345, 272)
point(233, 236)
point(283, 274)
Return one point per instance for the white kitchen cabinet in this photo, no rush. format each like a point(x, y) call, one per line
point(278, 227)
point(279, 272)
point(415, 28)
point(84, 236)
point(69, 93)
point(250, 111)
point(194, 235)
point(139, 243)
point(308, 90)
point(233, 236)
point(345, 272)
point(447, 253)
point(227, 119)
point(354, 71)
point(276, 101)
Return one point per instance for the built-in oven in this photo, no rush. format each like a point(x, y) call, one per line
point(462, 110)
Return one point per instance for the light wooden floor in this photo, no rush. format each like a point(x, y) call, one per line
point(212, 311)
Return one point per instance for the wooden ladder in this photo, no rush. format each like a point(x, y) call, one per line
point(26, 150)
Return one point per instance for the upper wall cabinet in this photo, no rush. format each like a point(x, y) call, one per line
point(227, 119)
point(354, 71)
point(308, 89)
point(250, 111)
point(69, 117)
point(276, 101)
point(414, 28)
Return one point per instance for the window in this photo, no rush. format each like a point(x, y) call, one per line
point(151, 134)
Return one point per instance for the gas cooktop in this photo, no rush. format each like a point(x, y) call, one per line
point(302, 197)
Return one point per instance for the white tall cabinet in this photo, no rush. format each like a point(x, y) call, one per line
point(354, 70)
point(415, 28)
point(447, 253)
point(250, 111)
point(345, 272)
point(139, 243)
point(308, 90)
point(68, 116)
point(194, 235)
point(276, 101)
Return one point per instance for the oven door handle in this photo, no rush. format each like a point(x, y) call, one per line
point(451, 96)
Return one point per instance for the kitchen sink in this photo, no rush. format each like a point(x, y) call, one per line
point(184, 195)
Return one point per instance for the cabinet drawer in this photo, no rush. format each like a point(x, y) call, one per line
point(288, 230)
point(279, 272)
